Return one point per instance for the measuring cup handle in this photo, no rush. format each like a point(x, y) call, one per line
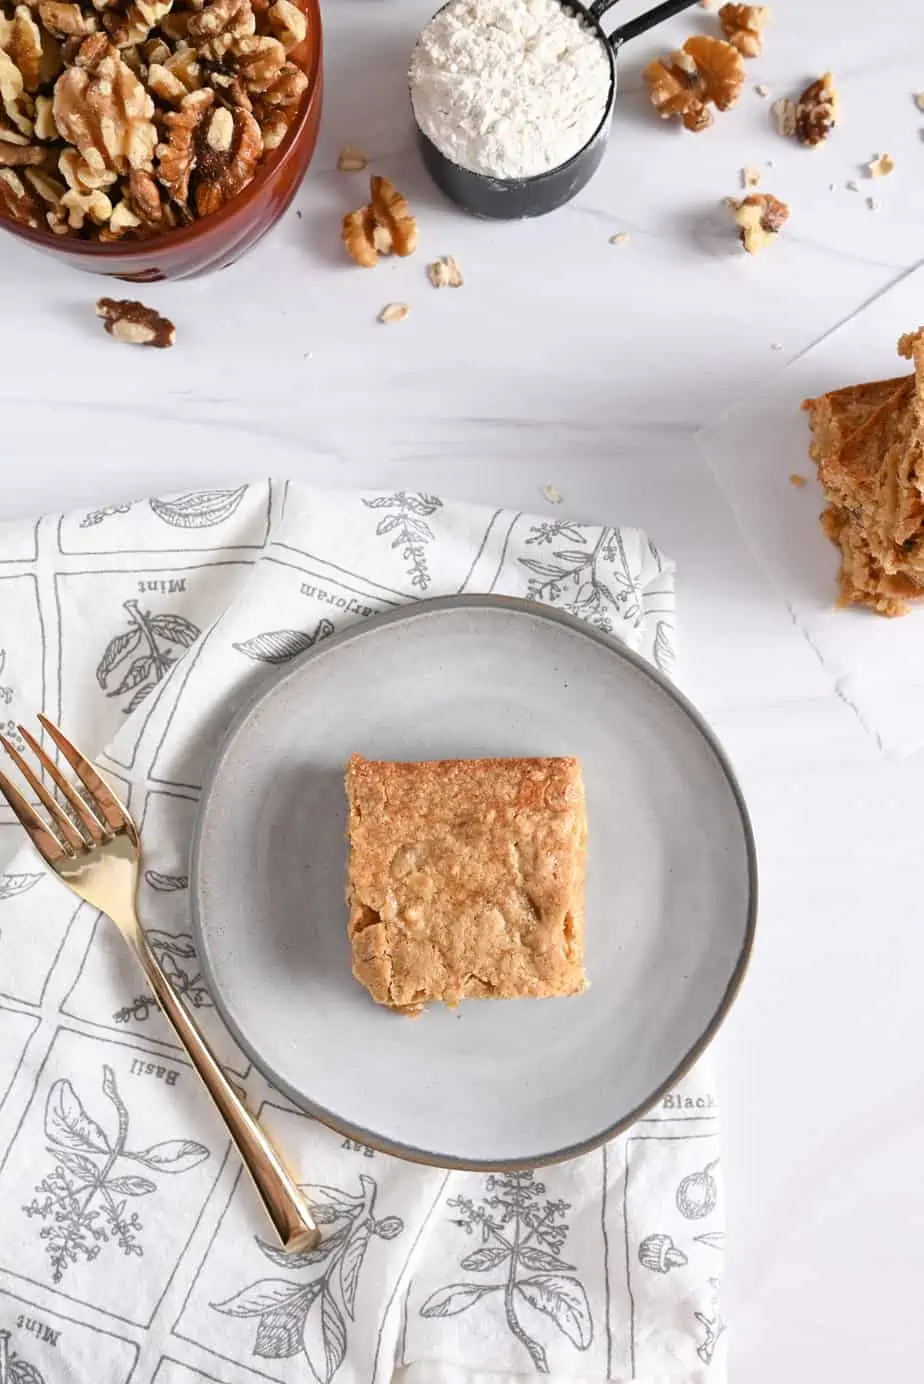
point(639, 25)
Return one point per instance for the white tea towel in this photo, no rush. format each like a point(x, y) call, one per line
point(132, 1247)
point(876, 665)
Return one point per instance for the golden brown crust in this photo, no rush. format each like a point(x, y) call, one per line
point(466, 879)
point(868, 445)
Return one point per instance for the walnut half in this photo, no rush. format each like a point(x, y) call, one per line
point(704, 72)
point(132, 322)
point(384, 227)
point(743, 26)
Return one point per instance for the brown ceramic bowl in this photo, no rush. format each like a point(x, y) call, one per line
point(215, 241)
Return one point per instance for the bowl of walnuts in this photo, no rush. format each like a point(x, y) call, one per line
point(154, 139)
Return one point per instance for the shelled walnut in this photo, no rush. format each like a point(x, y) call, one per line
point(384, 227)
point(705, 72)
point(759, 218)
point(743, 26)
point(813, 116)
point(136, 116)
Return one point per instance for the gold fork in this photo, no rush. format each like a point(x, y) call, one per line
point(93, 847)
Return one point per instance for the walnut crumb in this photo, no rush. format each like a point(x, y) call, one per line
point(798, 481)
point(873, 204)
point(445, 272)
point(852, 185)
point(132, 322)
point(759, 217)
point(553, 496)
point(750, 177)
point(776, 345)
point(919, 100)
point(351, 159)
point(762, 90)
point(393, 312)
point(880, 167)
point(743, 26)
point(620, 238)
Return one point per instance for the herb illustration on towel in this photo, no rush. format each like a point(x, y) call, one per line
point(523, 1234)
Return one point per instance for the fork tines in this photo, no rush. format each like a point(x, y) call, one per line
point(77, 820)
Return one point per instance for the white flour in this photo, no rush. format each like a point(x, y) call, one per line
point(509, 88)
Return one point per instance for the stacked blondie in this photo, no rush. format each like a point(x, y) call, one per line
point(868, 444)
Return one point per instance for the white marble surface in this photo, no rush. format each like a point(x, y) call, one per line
point(567, 360)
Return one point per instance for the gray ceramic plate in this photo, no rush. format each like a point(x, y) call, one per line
point(671, 885)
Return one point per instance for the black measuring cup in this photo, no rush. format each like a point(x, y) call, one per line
point(509, 199)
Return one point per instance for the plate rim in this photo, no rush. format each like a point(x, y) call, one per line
point(380, 1143)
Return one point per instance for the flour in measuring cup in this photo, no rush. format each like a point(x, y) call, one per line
point(509, 88)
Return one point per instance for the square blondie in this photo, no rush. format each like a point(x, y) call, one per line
point(466, 879)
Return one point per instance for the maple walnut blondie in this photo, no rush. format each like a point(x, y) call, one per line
point(466, 879)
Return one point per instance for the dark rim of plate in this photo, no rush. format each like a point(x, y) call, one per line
point(367, 1136)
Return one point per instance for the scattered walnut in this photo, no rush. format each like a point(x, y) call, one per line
point(288, 23)
point(445, 272)
point(812, 118)
point(102, 108)
point(393, 312)
point(215, 29)
point(759, 217)
point(706, 71)
point(743, 26)
point(798, 481)
point(750, 177)
point(873, 204)
point(351, 159)
point(554, 496)
point(384, 227)
point(880, 167)
point(762, 90)
point(620, 238)
point(919, 100)
point(134, 323)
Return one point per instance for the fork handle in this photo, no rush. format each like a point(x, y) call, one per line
point(277, 1189)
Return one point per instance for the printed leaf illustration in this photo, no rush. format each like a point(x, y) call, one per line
point(564, 1300)
point(304, 1259)
point(456, 1298)
point(68, 1124)
point(172, 1156)
point(165, 883)
point(411, 532)
point(77, 1163)
point(324, 1338)
point(279, 1332)
point(11, 885)
point(664, 656)
point(595, 581)
point(311, 1317)
point(278, 646)
point(112, 1091)
point(201, 509)
point(351, 1261)
point(132, 1186)
point(539, 1259)
point(260, 1297)
point(520, 1228)
point(83, 1202)
point(117, 649)
point(138, 659)
point(481, 1260)
point(715, 1239)
point(21, 1372)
